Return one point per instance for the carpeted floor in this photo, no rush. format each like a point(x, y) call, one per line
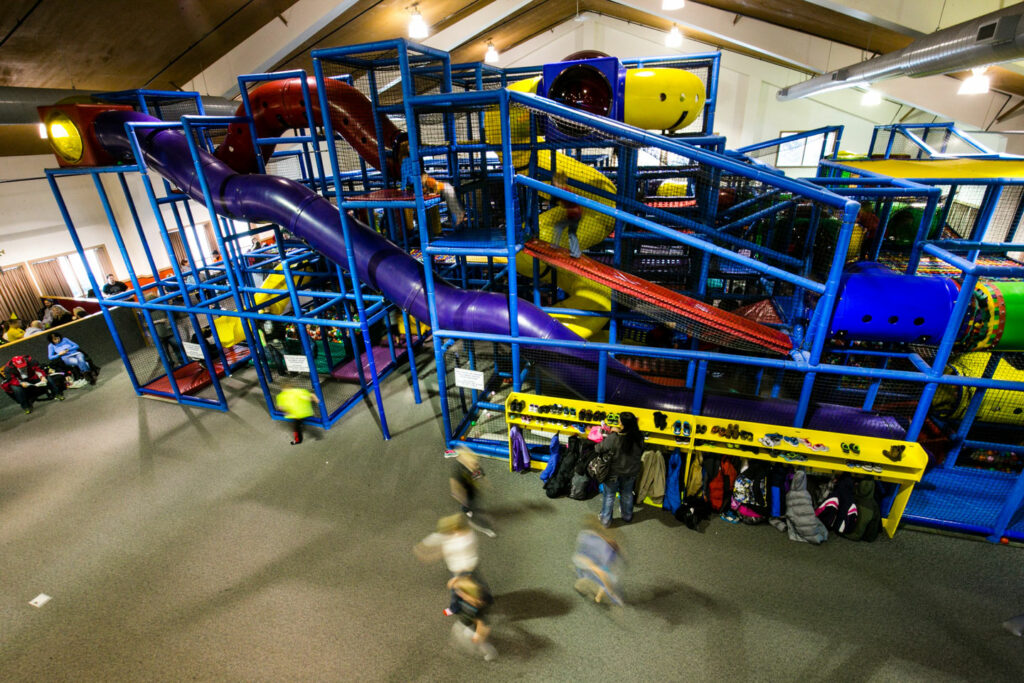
point(184, 544)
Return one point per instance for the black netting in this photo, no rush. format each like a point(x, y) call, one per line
point(494, 362)
point(167, 109)
point(890, 397)
point(1005, 218)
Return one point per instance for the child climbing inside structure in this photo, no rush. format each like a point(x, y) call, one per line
point(573, 212)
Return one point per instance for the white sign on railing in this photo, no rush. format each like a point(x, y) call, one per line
point(469, 379)
point(296, 363)
point(192, 350)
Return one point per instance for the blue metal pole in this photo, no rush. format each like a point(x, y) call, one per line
point(73, 232)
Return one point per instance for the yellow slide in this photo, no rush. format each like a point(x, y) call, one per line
point(593, 227)
point(229, 328)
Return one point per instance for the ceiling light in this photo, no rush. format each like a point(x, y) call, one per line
point(42, 131)
point(975, 84)
point(669, 5)
point(674, 38)
point(491, 57)
point(871, 98)
point(417, 26)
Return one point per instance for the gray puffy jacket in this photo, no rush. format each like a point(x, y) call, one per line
point(801, 521)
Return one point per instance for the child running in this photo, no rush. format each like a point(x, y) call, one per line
point(297, 405)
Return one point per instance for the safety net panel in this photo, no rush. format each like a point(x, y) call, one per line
point(945, 141)
point(493, 362)
point(460, 148)
point(902, 147)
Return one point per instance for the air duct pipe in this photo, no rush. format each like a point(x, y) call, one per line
point(993, 38)
point(18, 105)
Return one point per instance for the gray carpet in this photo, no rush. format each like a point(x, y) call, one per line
point(183, 544)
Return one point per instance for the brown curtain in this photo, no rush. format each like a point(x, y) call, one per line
point(177, 246)
point(51, 278)
point(211, 238)
point(17, 295)
point(105, 263)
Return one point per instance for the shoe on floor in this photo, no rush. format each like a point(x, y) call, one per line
point(588, 588)
point(485, 530)
point(488, 651)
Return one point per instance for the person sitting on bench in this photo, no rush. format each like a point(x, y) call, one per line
point(71, 356)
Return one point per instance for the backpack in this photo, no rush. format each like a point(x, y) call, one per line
point(580, 488)
point(599, 466)
point(719, 476)
point(749, 494)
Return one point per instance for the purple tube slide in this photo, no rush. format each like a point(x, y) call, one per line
point(400, 278)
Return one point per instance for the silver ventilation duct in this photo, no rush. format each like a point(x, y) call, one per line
point(18, 105)
point(993, 38)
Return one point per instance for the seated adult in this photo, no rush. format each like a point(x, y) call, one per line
point(113, 286)
point(34, 327)
point(53, 314)
point(15, 331)
point(68, 352)
point(24, 380)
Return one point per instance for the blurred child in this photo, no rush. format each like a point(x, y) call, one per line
point(297, 404)
point(573, 212)
point(472, 601)
point(453, 541)
point(598, 563)
point(456, 213)
point(465, 478)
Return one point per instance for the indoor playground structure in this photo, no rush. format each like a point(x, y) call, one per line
point(576, 234)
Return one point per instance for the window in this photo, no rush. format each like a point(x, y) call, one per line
point(806, 151)
point(75, 271)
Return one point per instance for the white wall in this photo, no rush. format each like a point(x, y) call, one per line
point(31, 226)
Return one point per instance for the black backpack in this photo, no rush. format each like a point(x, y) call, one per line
point(599, 467)
point(559, 483)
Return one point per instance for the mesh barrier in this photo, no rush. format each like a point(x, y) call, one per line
point(896, 398)
point(168, 109)
point(902, 147)
point(945, 141)
point(1005, 218)
point(473, 174)
point(803, 151)
point(494, 361)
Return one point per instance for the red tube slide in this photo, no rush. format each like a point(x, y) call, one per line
point(277, 106)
